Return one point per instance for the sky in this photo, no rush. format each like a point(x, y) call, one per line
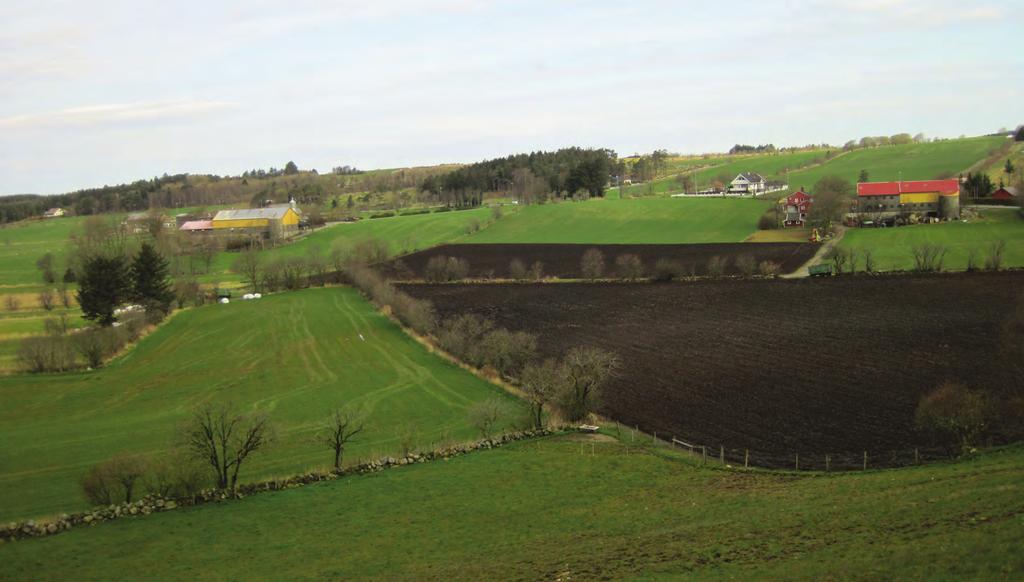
point(102, 92)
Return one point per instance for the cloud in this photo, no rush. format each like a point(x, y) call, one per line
point(93, 115)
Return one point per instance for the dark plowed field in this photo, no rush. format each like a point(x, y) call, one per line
point(780, 367)
point(563, 260)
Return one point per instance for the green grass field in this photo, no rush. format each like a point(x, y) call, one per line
point(541, 510)
point(649, 220)
point(23, 243)
point(297, 355)
point(892, 248)
point(924, 161)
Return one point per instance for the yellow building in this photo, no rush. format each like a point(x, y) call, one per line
point(282, 220)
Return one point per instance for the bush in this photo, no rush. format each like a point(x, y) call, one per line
point(473, 226)
point(114, 480)
point(928, 257)
point(51, 353)
point(96, 345)
point(442, 269)
point(592, 264)
point(536, 272)
point(746, 265)
point(416, 211)
point(629, 267)
point(370, 251)
point(769, 268)
point(994, 257)
point(767, 221)
point(177, 475)
point(717, 266)
point(517, 270)
point(505, 351)
point(461, 336)
point(955, 416)
point(666, 270)
point(385, 214)
point(487, 415)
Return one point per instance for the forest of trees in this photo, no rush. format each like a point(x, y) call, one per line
point(566, 172)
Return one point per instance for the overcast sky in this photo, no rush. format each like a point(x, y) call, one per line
point(98, 92)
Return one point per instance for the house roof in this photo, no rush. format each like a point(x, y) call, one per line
point(1011, 190)
point(54, 210)
point(273, 212)
point(751, 177)
point(196, 225)
point(799, 196)
point(907, 187)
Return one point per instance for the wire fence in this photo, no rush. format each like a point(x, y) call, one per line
point(723, 455)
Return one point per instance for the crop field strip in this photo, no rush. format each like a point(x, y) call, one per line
point(809, 367)
point(298, 355)
point(564, 260)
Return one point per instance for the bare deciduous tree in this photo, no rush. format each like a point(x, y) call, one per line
point(592, 264)
point(746, 264)
point(46, 299)
point(340, 429)
point(486, 415)
point(586, 370)
point(955, 415)
point(250, 266)
point(994, 258)
point(223, 439)
point(629, 267)
point(541, 384)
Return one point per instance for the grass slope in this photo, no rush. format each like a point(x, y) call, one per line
point(920, 161)
point(891, 248)
point(650, 220)
point(542, 510)
point(296, 355)
point(23, 243)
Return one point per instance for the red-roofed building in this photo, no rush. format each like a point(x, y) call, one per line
point(196, 226)
point(797, 207)
point(1006, 194)
point(918, 198)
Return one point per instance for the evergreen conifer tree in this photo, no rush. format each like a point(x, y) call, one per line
point(150, 286)
point(103, 286)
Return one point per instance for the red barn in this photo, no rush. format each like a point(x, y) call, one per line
point(798, 206)
point(1006, 194)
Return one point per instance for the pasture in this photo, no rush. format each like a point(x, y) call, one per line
point(892, 248)
point(641, 221)
point(780, 367)
point(541, 510)
point(296, 355)
point(917, 161)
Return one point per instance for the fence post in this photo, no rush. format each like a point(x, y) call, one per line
point(917, 459)
point(721, 454)
point(798, 461)
point(673, 442)
point(827, 459)
point(704, 454)
point(591, 449)
point(655, 439)
point(865, 460)
point(746, 458)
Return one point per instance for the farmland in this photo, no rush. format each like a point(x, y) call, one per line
point(923, 161)
point(296, 355)
point(642, 221)
point(641, 514)
point(892, 248)
point(564, 260)
point(779, 367)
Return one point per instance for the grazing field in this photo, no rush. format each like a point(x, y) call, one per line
point(919, 161)
point(892, 248)
point(643, 221)
point(23, 243)
point(782, 367)
point(564, 260)
point(539, 510)
point(296, 355)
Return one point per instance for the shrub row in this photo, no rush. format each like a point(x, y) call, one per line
point(61, 349)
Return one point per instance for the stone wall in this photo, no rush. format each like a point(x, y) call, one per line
point(156, 504)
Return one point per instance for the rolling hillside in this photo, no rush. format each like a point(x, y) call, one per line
point(297, 355)
point(572, 507)
point(649, 220)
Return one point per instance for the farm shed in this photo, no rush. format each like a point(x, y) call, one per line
point(196, 226)
point(932, 198)
point(1006, 194)
point(282, 220)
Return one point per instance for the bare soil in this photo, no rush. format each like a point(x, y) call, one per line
point(780, 367)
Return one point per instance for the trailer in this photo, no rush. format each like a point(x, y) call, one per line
point(820, 270)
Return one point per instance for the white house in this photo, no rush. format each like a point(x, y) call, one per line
point(53, 213)
point(749, 183)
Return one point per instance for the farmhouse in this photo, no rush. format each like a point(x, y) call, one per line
point(1006, 194)
point(749, 183)
point(280, 220)
point(797, 207)
point(906, 199)
point(54, 213)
